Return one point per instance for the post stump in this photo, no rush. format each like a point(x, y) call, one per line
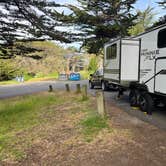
point(100, 103)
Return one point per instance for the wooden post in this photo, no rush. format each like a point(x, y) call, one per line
point(67, 87)
point(78, 88)
point(84, 92)
point(50, 88)
point(100, 103)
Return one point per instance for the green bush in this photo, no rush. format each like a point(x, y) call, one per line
point(85, 74)
point(93, 64)
point(8, 70)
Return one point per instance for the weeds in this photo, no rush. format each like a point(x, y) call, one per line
point(92, 125)
point(19, 114)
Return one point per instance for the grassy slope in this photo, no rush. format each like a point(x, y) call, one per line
point(52, 59)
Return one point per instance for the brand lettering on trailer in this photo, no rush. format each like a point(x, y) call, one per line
point(143, 72)
point(149, 55)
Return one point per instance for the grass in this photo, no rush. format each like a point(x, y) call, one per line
point(28, 78)
point(20, 114)
point(21, 119)
point(42, 77)
point(8, 82)
point(93, 124)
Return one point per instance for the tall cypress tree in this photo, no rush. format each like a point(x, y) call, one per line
point(27, 20)
point(163, 3)
point(100, 20)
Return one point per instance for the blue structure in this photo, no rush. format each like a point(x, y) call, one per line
point(74, 77)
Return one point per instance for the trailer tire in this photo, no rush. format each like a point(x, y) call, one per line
point(146, 103)
point(104, 86)
point(91, 86)
point(133, 98)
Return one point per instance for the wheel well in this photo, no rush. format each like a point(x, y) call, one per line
point(140, 87)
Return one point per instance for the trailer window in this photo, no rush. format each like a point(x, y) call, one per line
point(161, 38)
point(111, 51)
point(108, 52)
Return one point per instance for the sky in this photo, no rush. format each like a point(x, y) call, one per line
point(141, 5)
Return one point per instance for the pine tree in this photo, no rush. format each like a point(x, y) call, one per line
point(28, 20)
point(162, 3)
point(100, 20)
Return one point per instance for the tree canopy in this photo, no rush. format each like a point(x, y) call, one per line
point(28, 20)
point(95, 22)
point(163, 3)
point(100, 20)
point(144, 20)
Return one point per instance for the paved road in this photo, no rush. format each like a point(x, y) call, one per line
point(158, 118)
point(7, 91)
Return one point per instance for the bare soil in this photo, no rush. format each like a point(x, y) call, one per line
point(60, 142)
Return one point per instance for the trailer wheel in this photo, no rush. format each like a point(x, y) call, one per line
point(146, 103)
point(91, 86)
point(104, 86)
point(133, 98)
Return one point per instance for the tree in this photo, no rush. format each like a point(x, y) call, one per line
point(161, 21)
point(99, 21)
point(144, 20)
point(162, 3)
point(28, 20)
point(93, 64)
point(7, 70)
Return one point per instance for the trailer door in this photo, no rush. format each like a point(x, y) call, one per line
point(160, 78)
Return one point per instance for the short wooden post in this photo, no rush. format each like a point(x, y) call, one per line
point(100, 103)
point(50, 88)
point(67, 87)
point(78, 88)
point(84, 92)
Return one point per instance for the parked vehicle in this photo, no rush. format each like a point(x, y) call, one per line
point(138, 64)
point(96, 79)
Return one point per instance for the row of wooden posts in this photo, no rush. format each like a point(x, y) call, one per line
point(79, 90)
point(99, 97)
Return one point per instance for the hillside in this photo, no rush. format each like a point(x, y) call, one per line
point(50, 58)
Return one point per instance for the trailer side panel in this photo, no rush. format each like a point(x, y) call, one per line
point(130, 60)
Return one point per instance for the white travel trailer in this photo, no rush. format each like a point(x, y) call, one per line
point(138, 64)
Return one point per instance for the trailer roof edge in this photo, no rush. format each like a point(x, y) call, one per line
point(149, 30)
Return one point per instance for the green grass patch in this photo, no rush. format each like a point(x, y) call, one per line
point(38, 77)
point(10, 82)
point(20, 114)
point(93, 124)
point(27, 77)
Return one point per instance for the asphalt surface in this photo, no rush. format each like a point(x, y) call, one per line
point(7, 91)
point(158, 118)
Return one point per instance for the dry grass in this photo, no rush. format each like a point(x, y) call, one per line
point(67, 131)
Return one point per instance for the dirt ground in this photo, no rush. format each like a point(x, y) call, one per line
point(131, 142)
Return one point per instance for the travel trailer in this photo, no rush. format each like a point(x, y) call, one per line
point(138, 64)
